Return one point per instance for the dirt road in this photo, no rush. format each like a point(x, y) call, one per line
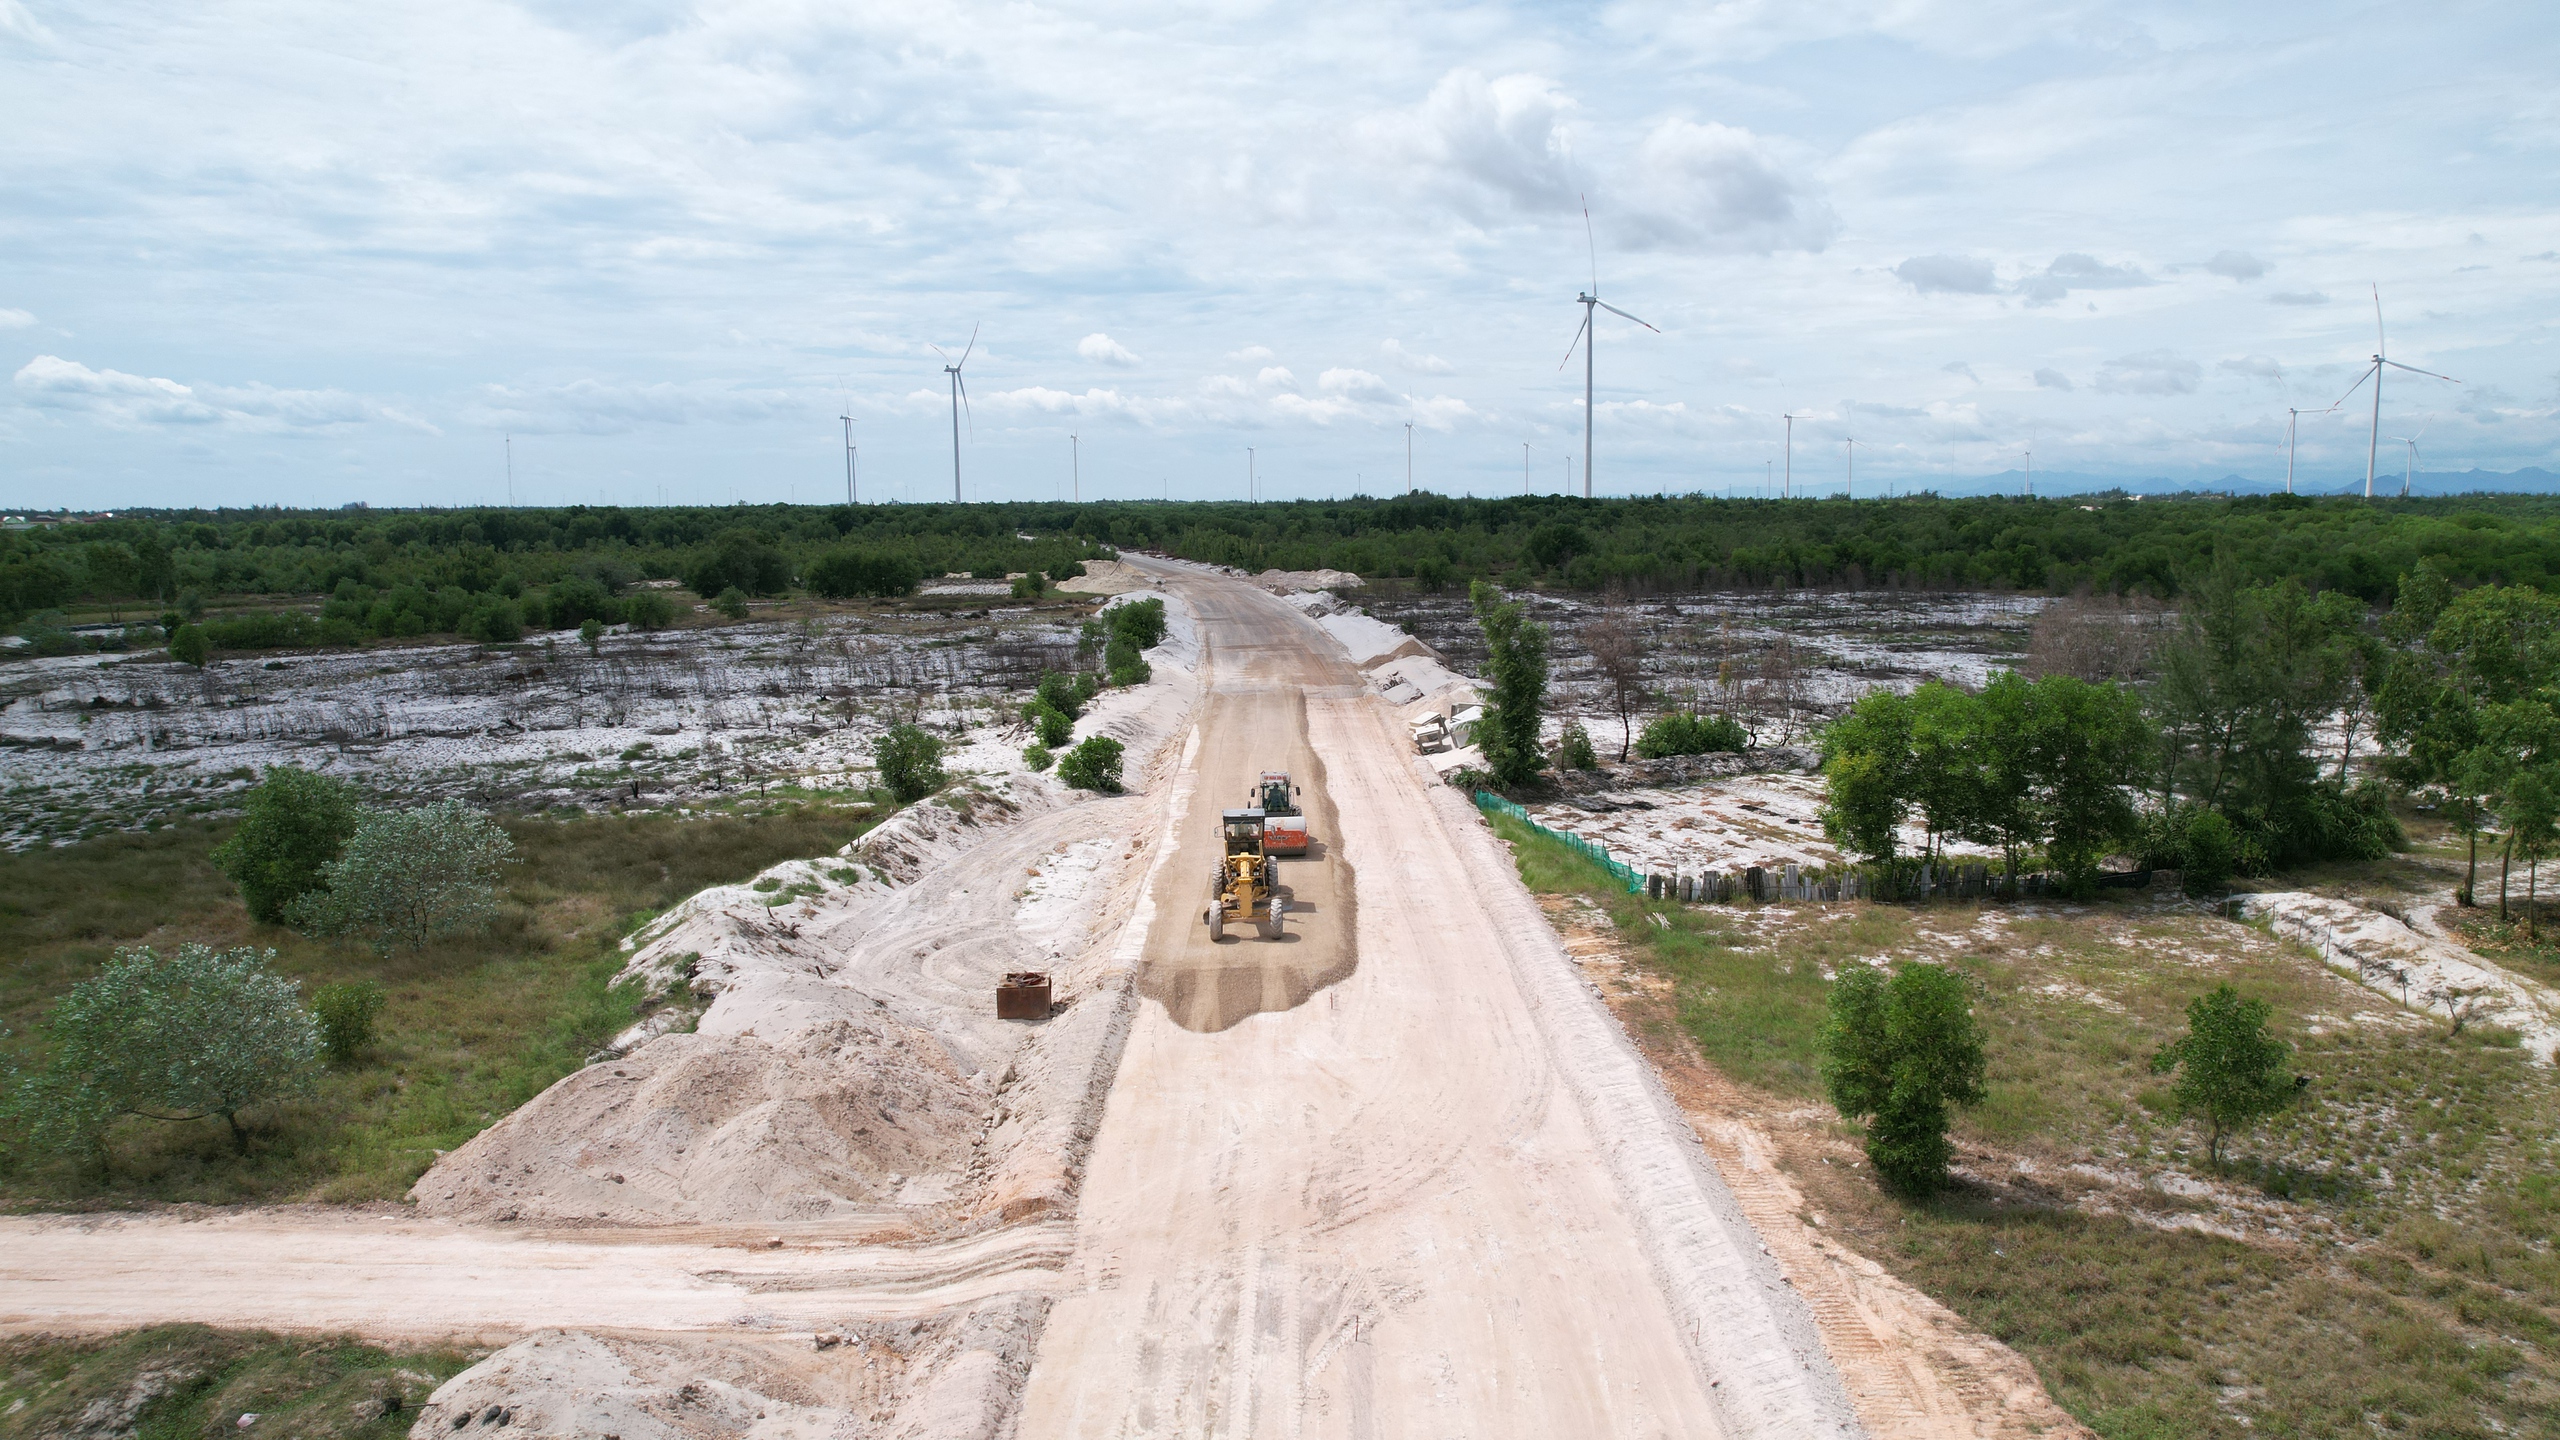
point(1352, 1183)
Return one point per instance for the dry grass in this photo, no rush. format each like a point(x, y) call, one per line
point(183, 1382)
point(471, 1030)
point(2380, 1258)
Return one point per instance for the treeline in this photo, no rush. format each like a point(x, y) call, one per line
point(2239, 754)
point(459, 571)
point(2104, 543)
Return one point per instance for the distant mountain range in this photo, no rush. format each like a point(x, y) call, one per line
point(2528, 481)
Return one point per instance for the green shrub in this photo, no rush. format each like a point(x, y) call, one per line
point(1123, 664)
point(650, 610)
point(201, 1033)
point(496, 622)
point(1065, 694)
point(1093, 765)
point(1899, 1053)
point(846, 574)
point(591, 635)
point(1141, 620)
point(297, 822)
point(1030, 585)
point(740, 560)
point(1047, 722)
point(346, 1013)
point(910, 761)
point(1681, 733)
point(409, 877)
point(732, 603)
point(2230, 1070)
point(190, 647)
point(1038, 756)
point(1574, 751)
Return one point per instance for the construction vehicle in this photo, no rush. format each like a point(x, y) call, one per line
point(1284, 826)
point(1242, 892)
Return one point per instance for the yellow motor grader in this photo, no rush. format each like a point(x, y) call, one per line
point(1242, 890)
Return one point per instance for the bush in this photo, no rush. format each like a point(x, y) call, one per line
point(1574, 751)
point(591, 635)
point(1030, 585)
point(1516, 663)
point(1681, 733)
point(496, 622)
point(846, 574)
point(409, 877)
point(575, 601)
point(2196, 842)
point(1052, 727)
point(1093, 765)
point(1071, 570)
point(297, 822)
point(346, 1013)
point(741, 560)
point(1898, 1053)
point(190, 647)
point(271, 630)
point(910, 761)
point(199, 1034)
point(732, 603)
point(650, 610)
point(1141, 620)
point(1065, 694)
point(1123, 664)
point(1038, 756)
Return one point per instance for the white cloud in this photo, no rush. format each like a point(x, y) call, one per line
point(1714, 187)
point(2050, 379)
point(2256, 367)
point(1276, 377)
point(15, 319)
point(2155, 372)
point(1952, 274)
point(1480, 142)
point(2300, 297)
point(1357, 385)
point(1404, 359)
point(2078, 272)
point(1101, 349)
point(49, 382)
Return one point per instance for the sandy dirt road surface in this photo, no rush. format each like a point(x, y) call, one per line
point(1348, 1183)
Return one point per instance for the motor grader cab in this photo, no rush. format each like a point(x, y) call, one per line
point(1241, 893)
point(1284, 825)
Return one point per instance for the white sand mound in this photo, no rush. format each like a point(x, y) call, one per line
point(2431, 974)
point(1287, 580)
point(826, 1125)
point(1106, 577)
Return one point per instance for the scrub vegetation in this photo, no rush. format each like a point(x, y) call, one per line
point(2373, 1257)
point(174, 1381)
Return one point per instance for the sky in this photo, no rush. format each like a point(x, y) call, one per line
point(299, 253)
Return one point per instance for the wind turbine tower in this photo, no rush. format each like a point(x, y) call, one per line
point(959, 398)
point(1789, 493)
point(847, 418)
point(1588, 338)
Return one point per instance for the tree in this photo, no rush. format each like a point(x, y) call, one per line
point(1093, 765)
point(732, 603)
point(2086, 745)
point(1899, 1054)
point(1950, 752)
point(189, 646)
point(649, 610)
point(296, 823)
point(910, 761)
point(1866, 761)
point(2230, 1070)
point(845, 574)
point(1143, 621)
point(410, 877)
point(346, 1012)
point(200, 1033)
point(1617, 655)
point(1516, 665)
point(591, 634)
point(1053, 727)
point(741, 560)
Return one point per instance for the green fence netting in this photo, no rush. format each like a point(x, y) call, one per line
point(1595, 852)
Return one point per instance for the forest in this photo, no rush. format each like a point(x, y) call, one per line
point(468, 571)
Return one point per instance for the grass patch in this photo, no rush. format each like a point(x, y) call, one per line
point(181, 1382)
point(2526, 944)
point(471, 1029)
point(2399, 1273)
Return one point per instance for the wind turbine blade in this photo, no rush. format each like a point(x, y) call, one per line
point(964, 404)
point(938, 350)
point(1593, 242)
point(973, 345)
point(1623, 315)
point(2369, 372)
point(1577, 340)
point(2414, 370)
point(2378, 346)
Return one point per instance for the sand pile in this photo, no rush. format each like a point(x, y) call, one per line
point(2423, 971)
point(1287, 580)
point(830, 1123)
point(954, 1376)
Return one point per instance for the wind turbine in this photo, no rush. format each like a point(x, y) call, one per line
point(2292, 421)
point(1789, 493)
point(1524, 468)
point(2373, 372)
point(1588, 337)
point(2412, 442)
point(1849, 487)
point(1075, 467)
point(847, 418)
point(959, 398)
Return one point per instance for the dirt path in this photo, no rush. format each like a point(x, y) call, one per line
point(1377, 1198)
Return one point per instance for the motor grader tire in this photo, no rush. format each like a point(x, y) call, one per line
point(1217, 918)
